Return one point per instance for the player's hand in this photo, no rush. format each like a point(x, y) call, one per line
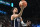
point(22, 7)
point(28, 23)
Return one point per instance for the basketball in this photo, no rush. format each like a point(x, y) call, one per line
point(22, 3)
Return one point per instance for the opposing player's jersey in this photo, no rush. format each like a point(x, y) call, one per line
point(17, 22)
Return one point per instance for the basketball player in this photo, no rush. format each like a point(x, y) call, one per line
point(18, 18)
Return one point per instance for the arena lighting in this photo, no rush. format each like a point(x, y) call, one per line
point(3, 12)
point(0, 0)
point(12, 4)
point(5, 3)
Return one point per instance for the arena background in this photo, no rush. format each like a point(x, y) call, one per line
point(31, 12)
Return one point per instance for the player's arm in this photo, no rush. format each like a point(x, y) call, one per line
point(20, 13)
point(12, 18)
point(12, 21)
point(25, 24)
point(22, 20)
